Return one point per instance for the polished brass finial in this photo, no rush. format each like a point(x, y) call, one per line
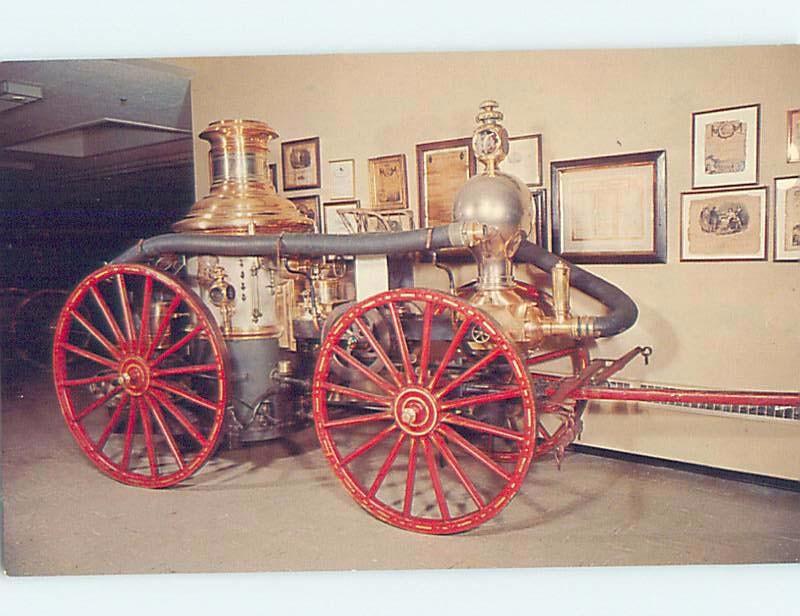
point(490, 139)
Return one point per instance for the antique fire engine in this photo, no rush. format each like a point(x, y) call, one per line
point(243, 325)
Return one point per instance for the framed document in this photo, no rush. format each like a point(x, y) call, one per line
point(524, 159)
point(539, 232)
point(725, 146)
point(793, 136)
point(343, 179)
point(308, 206)
point(787, 218)
point(724, 225)
point(273, 175)
point(442, 168)
point(300, 164)
point(332, 223)
point(610, 209)
point(388, 182)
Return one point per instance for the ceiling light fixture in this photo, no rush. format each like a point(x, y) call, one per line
point(13, 94)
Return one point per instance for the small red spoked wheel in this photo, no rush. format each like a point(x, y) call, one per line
point(405, 438)
point(133, 340)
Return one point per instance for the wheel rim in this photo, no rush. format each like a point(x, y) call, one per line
point(155, 359)
point(405, 439)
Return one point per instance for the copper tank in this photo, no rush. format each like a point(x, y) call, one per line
point(242, 198)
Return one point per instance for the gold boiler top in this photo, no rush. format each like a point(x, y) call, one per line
point(242, 198)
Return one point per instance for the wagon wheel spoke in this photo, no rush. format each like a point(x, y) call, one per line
point(112, 423)
point(363, 370)
point(470, 372)
point(115, 353)
point(97, 403)
point(401, 342)
point(164, 428)
point(177, 346)
point(384, 469)
point(442, 447)
point(380, 352)
point(127, 315)
point(450, 352)
point(410, 476)
point(435, 479)
point(425, 351)
point(162, 326)
point(107, 315)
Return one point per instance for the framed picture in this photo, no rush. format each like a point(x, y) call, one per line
point(343, 179)
point(524, 159)
point(610, 209)
point(539, 231)
point(787, 218)
point(273, 175)
point(442, 168)
point(725, 146)
point(724, 225)
point(332, 223)
point(793, 136)
point(300, 164)
point(308, 206)
point(388, 182)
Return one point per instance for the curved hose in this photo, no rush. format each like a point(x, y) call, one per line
point(622, 309)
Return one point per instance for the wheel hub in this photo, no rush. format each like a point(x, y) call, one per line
point(416, 411)
point(135, 376)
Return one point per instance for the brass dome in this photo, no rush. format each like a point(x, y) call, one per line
point(242, 198)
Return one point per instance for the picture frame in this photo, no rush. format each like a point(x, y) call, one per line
point(300, 164)
point(524, 159)
point(725, 147)
point(330, 221)
point(273, 175)
point(342, 172)
point(540, 228)
point(388, 182)
point(442, 168)
point(724, 225)
point(610, 209)
point(787, 218)
point(310, 206)
point(793, 136)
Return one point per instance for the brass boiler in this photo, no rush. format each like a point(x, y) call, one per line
point(501, 205)
point(245, 293)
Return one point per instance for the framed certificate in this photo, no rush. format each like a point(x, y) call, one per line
point(343, 179)
point(524, 159)
point(610, 209)
point(725, 146)
point(793, 136)
point(442, 169)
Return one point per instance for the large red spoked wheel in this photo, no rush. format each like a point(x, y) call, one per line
point(140, 371)
point(406, 438)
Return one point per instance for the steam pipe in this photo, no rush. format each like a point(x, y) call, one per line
point(622, 315)
point(622, 310)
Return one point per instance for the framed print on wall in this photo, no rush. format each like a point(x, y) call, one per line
point(725, 146)
point(724, 225)
point(300, 164)
point(388, 182)
point(442, 168)
point(539, 232)
point(308, 206)
point(343, 179)
point(273, 175)
point(331, 221)
point(610, 209)
point(793, 136)
point(524, 159)
point(787, 218)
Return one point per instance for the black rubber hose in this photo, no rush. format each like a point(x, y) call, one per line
point(306, 244)
point(622, 309)
point(622, 315)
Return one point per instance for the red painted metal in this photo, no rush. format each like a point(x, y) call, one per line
point(156, 449)
point(375, 452)
point(688, 396)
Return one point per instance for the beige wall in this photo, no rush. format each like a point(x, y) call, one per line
point(725, 325)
